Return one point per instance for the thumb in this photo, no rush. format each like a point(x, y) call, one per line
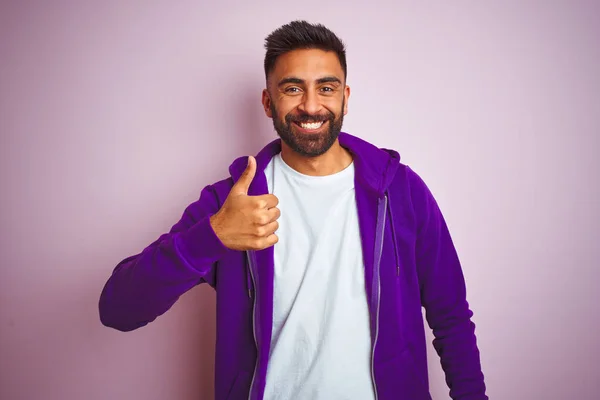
point(243, 184)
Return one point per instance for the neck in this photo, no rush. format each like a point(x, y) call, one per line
point(332, 161)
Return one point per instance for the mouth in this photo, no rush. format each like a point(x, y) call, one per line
point(310, 127)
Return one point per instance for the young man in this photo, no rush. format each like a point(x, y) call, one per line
point(322, 251)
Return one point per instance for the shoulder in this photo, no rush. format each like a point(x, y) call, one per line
point(409, 181)
point(410, 191)
point(210, 200)
point(221, 189)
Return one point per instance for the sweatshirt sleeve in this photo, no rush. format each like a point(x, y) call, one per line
point(146, 285)
point(443, 295)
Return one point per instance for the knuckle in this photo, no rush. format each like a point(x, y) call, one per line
point(257, 216)
point(262, 219)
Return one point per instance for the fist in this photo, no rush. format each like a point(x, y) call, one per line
point(247, 222)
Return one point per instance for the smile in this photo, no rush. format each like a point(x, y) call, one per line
point(312, 126)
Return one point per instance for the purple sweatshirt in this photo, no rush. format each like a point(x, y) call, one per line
point(410, 262)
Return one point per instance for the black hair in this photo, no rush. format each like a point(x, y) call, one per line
point(302, 35)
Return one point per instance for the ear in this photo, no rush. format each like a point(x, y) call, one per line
point(266, 102)
point(346, 97)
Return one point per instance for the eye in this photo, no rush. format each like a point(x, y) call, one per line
point(327, 89)
point(292, 89)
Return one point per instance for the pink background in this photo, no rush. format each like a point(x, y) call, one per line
point(114, 114)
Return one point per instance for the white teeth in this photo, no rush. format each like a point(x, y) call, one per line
point(314, 125)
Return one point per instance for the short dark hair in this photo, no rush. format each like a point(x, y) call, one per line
point(302, 35)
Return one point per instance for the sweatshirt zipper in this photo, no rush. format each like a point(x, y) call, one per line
point(380, 230)
point(250, 265)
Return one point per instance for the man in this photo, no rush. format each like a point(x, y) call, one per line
point(322, 251)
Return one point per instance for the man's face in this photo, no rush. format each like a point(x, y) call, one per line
point(307, 98)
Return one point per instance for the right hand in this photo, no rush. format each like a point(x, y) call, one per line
point(247, 222)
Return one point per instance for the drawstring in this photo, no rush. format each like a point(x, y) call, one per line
point(248, 277)
point(393, 224)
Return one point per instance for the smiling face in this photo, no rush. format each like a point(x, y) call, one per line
point(307, 99)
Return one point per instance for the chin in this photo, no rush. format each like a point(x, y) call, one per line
point(311, 145)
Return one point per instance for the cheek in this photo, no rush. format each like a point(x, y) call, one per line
point(284, 107)
point(334, 103)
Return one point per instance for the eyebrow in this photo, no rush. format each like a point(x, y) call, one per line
point(327, 79)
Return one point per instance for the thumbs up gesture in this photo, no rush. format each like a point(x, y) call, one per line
point(247, 222)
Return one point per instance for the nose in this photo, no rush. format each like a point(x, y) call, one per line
point(310, 103)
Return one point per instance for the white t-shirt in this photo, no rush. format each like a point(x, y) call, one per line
point(321, 342)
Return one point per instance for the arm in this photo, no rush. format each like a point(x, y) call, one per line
point(144, 286)
point(443, 295)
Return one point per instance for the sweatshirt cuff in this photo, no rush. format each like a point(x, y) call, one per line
point(200, 246)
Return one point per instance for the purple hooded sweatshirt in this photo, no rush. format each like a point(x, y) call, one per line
point(409, 259)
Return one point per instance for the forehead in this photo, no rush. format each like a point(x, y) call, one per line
point(307, 64)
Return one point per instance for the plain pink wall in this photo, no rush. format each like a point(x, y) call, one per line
point(113, 116)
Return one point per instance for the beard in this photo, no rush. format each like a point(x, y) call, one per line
point(308, 144)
